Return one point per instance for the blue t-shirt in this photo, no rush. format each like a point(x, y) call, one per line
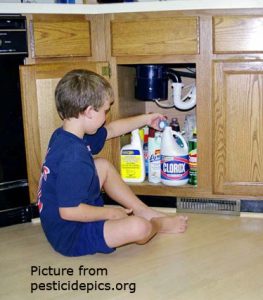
point(69, 178)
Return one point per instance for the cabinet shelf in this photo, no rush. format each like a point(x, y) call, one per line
point(159, 189)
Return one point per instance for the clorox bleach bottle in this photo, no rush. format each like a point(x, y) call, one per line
point(174, 159)
point(132, 159)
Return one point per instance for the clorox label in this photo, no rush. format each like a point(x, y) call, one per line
point(174, 167)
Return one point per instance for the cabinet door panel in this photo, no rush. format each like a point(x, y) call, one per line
point(38, 83)
point(238, 130)
point(155, 36)
point(61, 36)
point(238, 34)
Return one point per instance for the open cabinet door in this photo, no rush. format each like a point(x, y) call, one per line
point(38, 83)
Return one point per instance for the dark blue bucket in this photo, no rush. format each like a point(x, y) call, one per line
point(151, 82)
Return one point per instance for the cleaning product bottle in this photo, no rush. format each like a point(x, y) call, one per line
point(193, 159)
point(175, 124)
point(154, 158)
point(145, 148)
point(132, 159)
point(174, 159)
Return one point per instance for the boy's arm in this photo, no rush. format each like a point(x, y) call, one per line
point(89, 213)
point(122, 126)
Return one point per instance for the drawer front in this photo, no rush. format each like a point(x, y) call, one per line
point(61, 36)
point(238, 34)
point(158, 36)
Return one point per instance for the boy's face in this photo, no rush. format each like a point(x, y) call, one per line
point(99, 117)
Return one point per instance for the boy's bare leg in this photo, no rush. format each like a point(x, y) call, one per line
point(118, 190)
point(129, 230)
point(139, 230)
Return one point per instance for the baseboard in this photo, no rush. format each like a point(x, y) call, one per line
point(251, 215)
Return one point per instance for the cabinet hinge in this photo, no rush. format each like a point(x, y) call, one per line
point(106, 71)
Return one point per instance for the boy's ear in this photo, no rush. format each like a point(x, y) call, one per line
point(88, 112)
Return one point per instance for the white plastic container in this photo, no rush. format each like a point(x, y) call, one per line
point(154, 158)
point(132, 159)
point(174, 159)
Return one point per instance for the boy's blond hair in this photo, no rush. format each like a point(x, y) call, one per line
point(79, 89)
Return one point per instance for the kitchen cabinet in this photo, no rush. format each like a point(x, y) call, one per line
point(237, 130)
point(57, 44)
point(237, 105)
point(229, 92)
point(38, 83)
point(225, 48)
point(175, 40)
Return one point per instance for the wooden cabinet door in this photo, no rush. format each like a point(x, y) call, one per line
point(238, 128)
point(60, 36)
point(38, 83)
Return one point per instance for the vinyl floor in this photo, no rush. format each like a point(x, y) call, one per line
point(218, 258)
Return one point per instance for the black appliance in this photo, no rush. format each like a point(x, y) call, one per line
point(14, 195)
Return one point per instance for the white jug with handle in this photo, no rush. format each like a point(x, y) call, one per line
point(174, 159)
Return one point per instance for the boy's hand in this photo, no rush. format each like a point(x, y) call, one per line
point(119, 213)
point(153, 120)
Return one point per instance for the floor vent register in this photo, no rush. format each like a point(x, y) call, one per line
point(209, 206)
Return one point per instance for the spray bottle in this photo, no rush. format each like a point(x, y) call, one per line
point(174, 159)
point(132, 159)
point(154, 148)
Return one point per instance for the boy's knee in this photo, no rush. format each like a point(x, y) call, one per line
point(141, 228)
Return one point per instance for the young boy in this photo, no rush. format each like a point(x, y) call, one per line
point(72, 213)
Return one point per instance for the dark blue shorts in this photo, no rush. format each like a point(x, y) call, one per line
point(91, 240)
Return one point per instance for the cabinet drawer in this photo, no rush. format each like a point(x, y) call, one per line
point(155, 36)
point(61, 36)
point(238, 34)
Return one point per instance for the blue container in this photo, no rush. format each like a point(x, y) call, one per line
point(151, 82)
point(65, 1)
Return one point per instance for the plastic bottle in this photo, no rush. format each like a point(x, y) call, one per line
point(189, 126)
point(174, 159)
point(193, 160)
point(132, 159)
point(154, 160)
point(145, 148)
point(175, 125)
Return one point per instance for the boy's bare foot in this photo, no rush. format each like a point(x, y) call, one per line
point(172, 224)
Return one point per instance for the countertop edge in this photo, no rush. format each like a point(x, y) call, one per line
point(129, 7)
